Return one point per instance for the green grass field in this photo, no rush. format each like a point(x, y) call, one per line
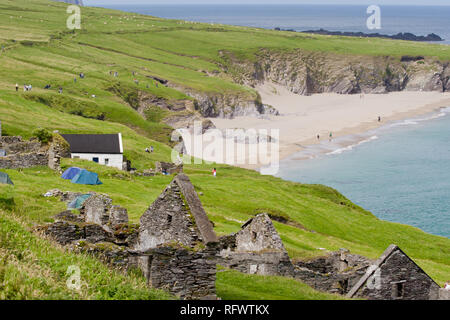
point(40, 50)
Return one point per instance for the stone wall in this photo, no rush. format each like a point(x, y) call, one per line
point(24, 160)
point(188, 274)
point(15, 145)
point(337, 272)
point(27, 154)
point(168, 220)
point(175, 246)
point(444, 294)
point(169, 168)
point(394, 276)
point(256, 249)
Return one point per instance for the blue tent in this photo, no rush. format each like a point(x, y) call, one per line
point(86, 177)
point(78, 202)
point(70, 173)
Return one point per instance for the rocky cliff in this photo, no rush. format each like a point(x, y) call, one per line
point(306, 73)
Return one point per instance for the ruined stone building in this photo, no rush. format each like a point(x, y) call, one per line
point(256, 249)
point(19, 154)
point(336, 273)
point(176, 249)
point(177, 245)
point(394, 276)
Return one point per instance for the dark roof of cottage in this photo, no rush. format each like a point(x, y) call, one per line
point(193, 201)
point(372, 268)
point(94, 143)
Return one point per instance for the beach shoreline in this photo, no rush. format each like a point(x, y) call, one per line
point(302, 118)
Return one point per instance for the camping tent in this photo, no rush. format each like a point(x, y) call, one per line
point(70, 173)
point(4, 178)
point(86, 177)
point(78, 202)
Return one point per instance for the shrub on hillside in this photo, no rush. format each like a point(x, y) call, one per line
point(43, 135)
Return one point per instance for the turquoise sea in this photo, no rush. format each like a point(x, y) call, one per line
point(400, 172)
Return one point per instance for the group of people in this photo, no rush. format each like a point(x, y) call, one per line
point(331, 134)
point(26, 87)
point(29, 87)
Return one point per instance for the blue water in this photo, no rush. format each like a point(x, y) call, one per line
point(420, 20)
point(401, 173)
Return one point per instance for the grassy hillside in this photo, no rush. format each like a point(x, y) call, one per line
point(39, 50)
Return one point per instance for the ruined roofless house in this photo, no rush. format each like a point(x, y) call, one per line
point(256, 249)
point(394, 276)
point(176, 249)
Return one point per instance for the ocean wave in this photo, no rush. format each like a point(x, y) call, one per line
point(407, 122)
point(350, 147)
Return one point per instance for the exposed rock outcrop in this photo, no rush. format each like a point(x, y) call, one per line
point(306, 73)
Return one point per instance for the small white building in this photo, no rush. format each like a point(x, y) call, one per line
point(105, 149)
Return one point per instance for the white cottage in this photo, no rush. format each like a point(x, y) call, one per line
point(105, 149)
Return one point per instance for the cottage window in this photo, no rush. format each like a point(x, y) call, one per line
point(398, 289)
point(95, 160)
point(106, 161)
point(343, 286)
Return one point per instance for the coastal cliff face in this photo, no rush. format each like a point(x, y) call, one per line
point(227, 105)
point(307, 73)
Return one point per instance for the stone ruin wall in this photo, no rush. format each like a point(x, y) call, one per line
point(172, 263)
point(167, 220)
point(399, 269)
point(337, 272)
point(27, 154)
point(172, 253)
point(256, 249)
point(185, 273)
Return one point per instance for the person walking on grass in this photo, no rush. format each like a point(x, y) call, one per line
point(214, 173)
point(17, 87)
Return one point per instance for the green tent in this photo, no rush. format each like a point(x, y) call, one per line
point(4, 178)
point(78, 202)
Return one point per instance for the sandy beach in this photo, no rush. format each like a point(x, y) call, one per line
point(302, 118)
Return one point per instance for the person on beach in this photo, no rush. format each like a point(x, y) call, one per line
point(214, 172)
point(331, 136)
point(318, 137)
point(379, 119)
